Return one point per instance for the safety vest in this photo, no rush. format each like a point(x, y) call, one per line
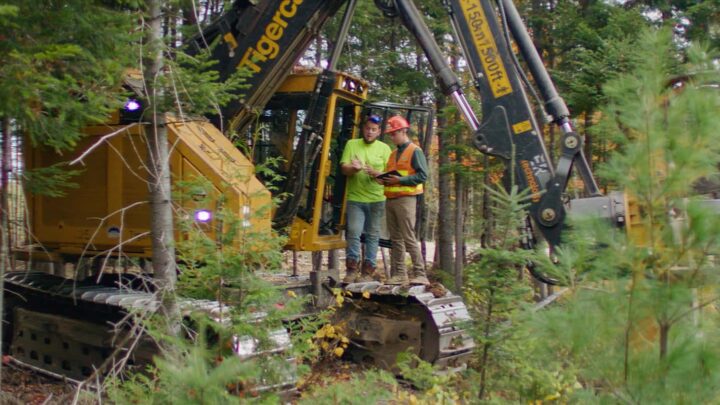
point(403, 164)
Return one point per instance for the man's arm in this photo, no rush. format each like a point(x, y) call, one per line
point(349, 165)
point(351, 168)
point(419, 163)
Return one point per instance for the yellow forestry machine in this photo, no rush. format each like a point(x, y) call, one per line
point(59, 310)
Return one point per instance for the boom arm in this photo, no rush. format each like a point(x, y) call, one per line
point(266, 38)
point(508, 129)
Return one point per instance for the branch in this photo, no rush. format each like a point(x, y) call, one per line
point(695, 308)
point(101, 140)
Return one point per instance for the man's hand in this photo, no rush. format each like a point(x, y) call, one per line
point(372, 172)
point(391, 180)
point(352, 168)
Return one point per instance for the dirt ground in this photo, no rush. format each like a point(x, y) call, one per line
point(24, 386)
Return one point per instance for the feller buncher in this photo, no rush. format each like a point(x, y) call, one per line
point(61, 325)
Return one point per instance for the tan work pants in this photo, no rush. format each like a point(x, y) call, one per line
point(400, 217)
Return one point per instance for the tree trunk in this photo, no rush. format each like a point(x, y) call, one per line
point(161, 222)
point(486, 237)
point(459, 206)
point(5, 188)
point(587, 123)
point(485, 358)
point(664, 336)
point(318, 51)
point(445, 231)
point(460, 194)
point(459, 230)
point(4, 230)
point(189, 18)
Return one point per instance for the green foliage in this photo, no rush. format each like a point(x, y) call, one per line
point(193, 86)
point(51, 181)
point(62, 66)
point(191, 374)
point(370, 387)
point(495, 292)
point(7, 10)
point(418, 372)
point(222, 264)
point(595, 44)
point(384, 53)
point(692, 21)
point(270, 169)
point(703, 22)
point(634, 326)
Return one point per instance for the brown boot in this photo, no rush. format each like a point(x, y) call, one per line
point(351, 271)
point(398, 278)
point(368, 272)
point(418, 277)
point(379, 276)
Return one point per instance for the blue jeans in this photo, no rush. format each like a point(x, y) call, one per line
point(363, 218)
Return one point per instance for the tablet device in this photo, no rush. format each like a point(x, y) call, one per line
point(388, 174)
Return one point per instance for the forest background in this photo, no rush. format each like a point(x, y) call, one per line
point(628, 329)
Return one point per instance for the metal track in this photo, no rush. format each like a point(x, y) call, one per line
point(66, 327)
point(69, 328)
point(428, 322)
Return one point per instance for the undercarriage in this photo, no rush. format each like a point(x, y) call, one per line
point(81, 329)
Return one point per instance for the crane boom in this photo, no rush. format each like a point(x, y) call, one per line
point(265, 39)
point(508, 128)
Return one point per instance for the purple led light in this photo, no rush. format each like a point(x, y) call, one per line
point(132, 105)
point(203, 215)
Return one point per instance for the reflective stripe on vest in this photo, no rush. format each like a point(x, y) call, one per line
point(403, 164)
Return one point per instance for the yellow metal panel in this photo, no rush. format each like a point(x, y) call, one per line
point(298, 83)
point(635, 227)
point(114, 186)
point(484, 42)
point(303, 237)
point(349, 86)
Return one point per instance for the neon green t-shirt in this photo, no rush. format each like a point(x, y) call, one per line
point(361, 187)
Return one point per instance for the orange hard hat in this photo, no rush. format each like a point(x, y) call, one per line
point(395, 123)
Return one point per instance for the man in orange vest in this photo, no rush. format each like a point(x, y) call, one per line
point(401, 205)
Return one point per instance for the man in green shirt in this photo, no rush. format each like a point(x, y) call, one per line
point(361, 161)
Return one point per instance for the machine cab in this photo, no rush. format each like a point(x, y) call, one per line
point(273, 141)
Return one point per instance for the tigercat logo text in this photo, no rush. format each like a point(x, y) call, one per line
point(532, 183)
point(487, 48)
point(267, 46)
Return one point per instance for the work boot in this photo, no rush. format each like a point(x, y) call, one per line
point(351, 271)
point(379, 276)
point(398, 278)
point(418, 277)
point(368, 272)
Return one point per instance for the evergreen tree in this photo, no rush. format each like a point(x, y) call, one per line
point(63, 63)
point(589, 45)
point(694, 21)
point(162, 231)
point(178, 85)
point(634, 328)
